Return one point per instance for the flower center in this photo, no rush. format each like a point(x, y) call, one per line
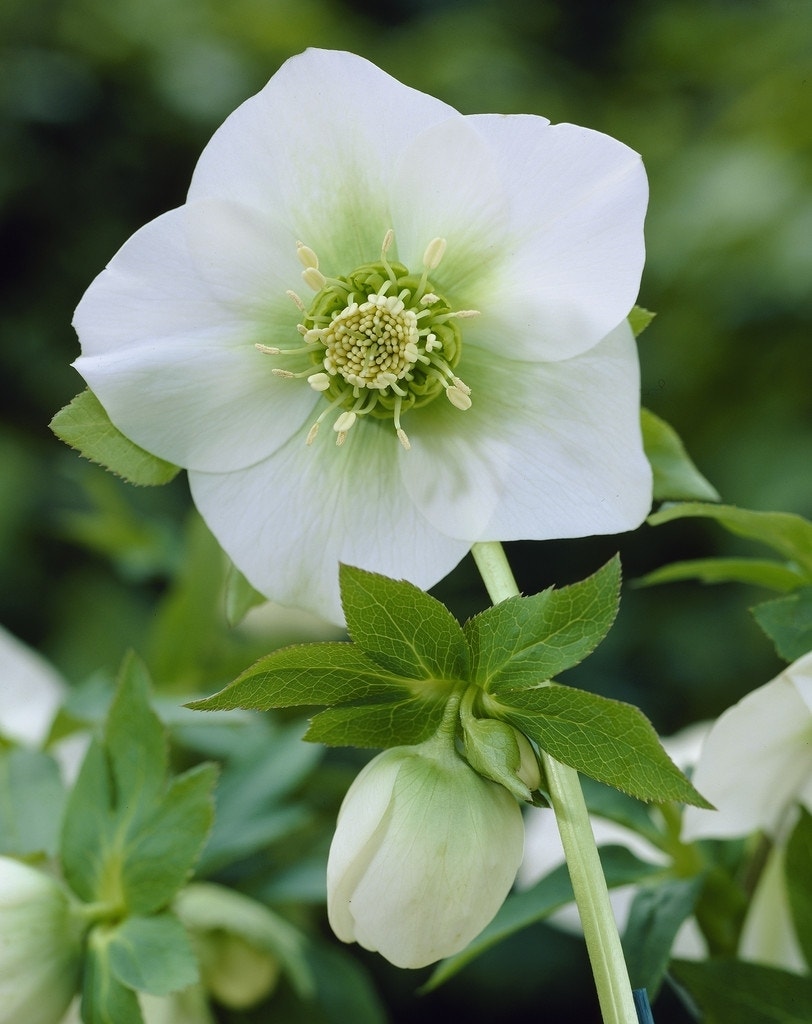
point(380, 340)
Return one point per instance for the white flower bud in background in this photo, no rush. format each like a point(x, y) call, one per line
point(40, 945)
point(424, 854)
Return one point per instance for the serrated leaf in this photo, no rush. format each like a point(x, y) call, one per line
point(136, 743)
point(88, 827)
point(523, 641)
point(152, 954)
point(105, 1000)
point(656, 915)
point(406, 721)
point(760, 572)
point(306, 675)
point(787, 621)
point(402, 628)
point(788, 534)
point(32, 797)
point(676, 478)
point(639, 319)
point(158, 859)
point(620, 867)
point(608, 740)
point(797, 861)
point(84, 425)
point(731, 990)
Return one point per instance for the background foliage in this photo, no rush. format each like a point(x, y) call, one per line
point(105, 107)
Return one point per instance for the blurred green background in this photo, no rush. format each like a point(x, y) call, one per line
point(105, 106)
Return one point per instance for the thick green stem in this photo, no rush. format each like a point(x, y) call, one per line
point(583, 863)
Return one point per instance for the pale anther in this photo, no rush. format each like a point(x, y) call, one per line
point(435, 251)
point(296, 300)
point(306, 256)
point(319, 381)
point(268, 350)
point(429, 299)
point(314, 279)
point(458, 398)
point(286, 374)
point(386, 245)
point(404, 440)
point(344, 422)
point(460, 385)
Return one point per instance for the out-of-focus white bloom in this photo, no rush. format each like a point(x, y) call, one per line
point(756, 768)
point(40, 944)
point(31, 692)
point(756, 763)
point(235, 939)
point(424, 854)
point(544, 852)
point(461, 336)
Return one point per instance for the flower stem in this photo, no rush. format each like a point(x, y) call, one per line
point(583, 863)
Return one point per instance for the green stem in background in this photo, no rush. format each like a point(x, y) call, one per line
point(583, 863)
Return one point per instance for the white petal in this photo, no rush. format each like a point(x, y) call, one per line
point(31, 692)
point(446, 185)
point(768, 934)
point(445, 865)
point(546, 450)
point(361, 821)
point(319, 142)
point(578, 200)
point(755, 761)
point(168, 334)
point(287, 522)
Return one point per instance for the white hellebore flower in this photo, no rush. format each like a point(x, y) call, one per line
point(756, 767)
point(444, 295)
point(40, 943)
point(424, 854)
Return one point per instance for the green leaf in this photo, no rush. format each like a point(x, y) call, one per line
point(608, 740)
point(241, 597)
point(344, 990)
point(306, 675)
point(787, 621)
point(402, 628)
point(128, 838)
point(85, 426)
point(730, 990)
point(523, 641)
point(799, 881)
point(620, 867)
point(152, 954)
point(105, 1000)
point(788, 534)
point(158, 859)
point(759, 572)
point(639, 319)
point(609, 803)
point(31, 800)
point(675, 475)
point(656, 914)
point(406, 721)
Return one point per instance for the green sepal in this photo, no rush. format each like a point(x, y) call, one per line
point(105, 999)
point(130, 838)
point(788, 534)
point(730, 990)
point(492, 749)
point(609, 740)
point(84, 425)
point(639, 319)
point(523, 641)
point(797, 859)
point(656, 915)
point(240, 596)
point(676, 478)
point(787, 621)
point(401, 628)
point(307, 675)
point(759, 572)
point(152, 954)
point(620, 867)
